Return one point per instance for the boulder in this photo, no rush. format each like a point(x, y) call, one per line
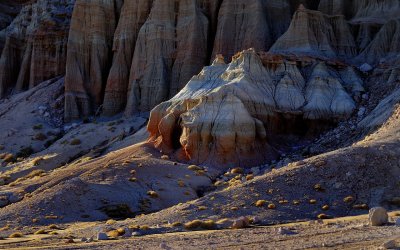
point(378, 216)
point(241, 222)
point(102, 236)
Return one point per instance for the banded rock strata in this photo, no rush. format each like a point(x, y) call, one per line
point(158, 46)
point(35, 45)
point(224, 115)
point(131, 55)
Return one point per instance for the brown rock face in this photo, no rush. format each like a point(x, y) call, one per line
point(132, 55)
point(35, 45)
point(242, 24)
point(163, 45)
point(89, 52)
point(314, 33)
point(134, 14)
point(386, 44)
point(159, 45)
point(9, 10)
point(225, 116)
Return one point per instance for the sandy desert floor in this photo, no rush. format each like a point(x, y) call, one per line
point(340, 233)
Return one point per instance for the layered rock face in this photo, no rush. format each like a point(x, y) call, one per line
point(89, 52)
point(9, 10)
point(35, 45)
point(314, 33)
point(224, 115)
point(159, 45)
point(133, 15)
point(131, 55)
point(386, 44)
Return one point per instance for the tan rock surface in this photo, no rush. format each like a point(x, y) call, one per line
point(35, 45)
point(163, 46)
point(314, 33)
point(232, 108)
point(133, 14)
point(89, 49)
point(165, 43)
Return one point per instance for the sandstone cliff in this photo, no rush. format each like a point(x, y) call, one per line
point(224, 115)
point(89, 52)
point(133, 15)
point(9, 10)
point(35, 45)
point(314, 33)
point(132, 55)
point(159, 45)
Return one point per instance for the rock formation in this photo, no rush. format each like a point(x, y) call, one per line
point(89, 51)
point(169, 50)
point(224, 115)
point(132, 55)
point(386, 44)
point(9, 10)
point(133, 15)
point(35, 45)
point(241, 24)
point(159, 45)
point(314, 33)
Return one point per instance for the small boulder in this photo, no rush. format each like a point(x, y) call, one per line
point(136, 234)
point(241, 222)
point(389, 245)
point(224, 223)
point(378, 216)
point(398, 222)
point(366, 67)
point(102, 236)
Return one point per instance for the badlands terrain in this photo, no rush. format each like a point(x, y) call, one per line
point(199, 124)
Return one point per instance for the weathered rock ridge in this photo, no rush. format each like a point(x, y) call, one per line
point(224, 115)
point(158, 45)
point(132, 55)
point(312, 32)
point(35, 45)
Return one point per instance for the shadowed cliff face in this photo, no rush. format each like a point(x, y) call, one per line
point(35, 46)
point(155, 47)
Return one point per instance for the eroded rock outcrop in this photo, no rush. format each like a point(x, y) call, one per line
point(9, 10)
point(385, 45)
point(242, 24)
point(314, 33)
point(224, 115)
point(159, 45)
point(165, 42)
point(35, 45)
point(89, 52)
point(133, 15)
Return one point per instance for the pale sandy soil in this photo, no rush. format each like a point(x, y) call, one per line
point(341, 233)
